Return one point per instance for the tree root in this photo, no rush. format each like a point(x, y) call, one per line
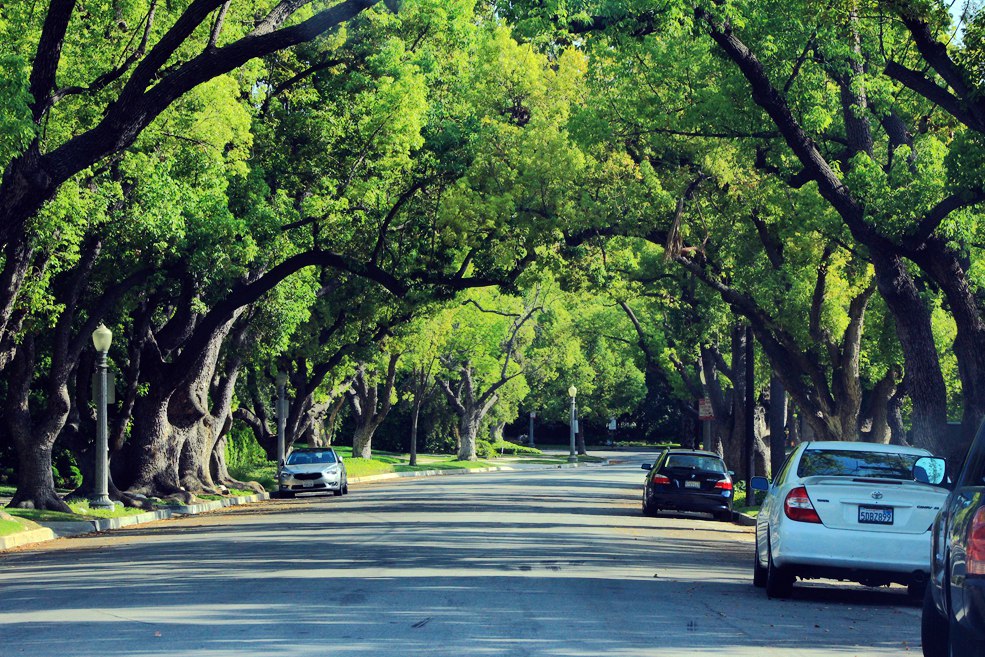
point(254, 486)
point(41, 500)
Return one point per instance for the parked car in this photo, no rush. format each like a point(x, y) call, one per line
point(312, 470)
point(851, 511)
point(688, 480)
point(953, 623)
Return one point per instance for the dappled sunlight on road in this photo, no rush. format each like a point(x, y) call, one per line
point(541, 563)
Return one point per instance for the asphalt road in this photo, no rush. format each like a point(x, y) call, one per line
point(547, 563)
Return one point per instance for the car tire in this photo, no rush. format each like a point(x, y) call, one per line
point(916, 590)
point(286, 494)
point(779, 581)
point(758, 572)
point(337, 492)
point(933, 628)
point(723, 516)
point(345, 488)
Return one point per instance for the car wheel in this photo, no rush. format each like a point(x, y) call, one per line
point(933, 628)
point(723, 516)
point(779, 581)
point(286, 494)
point(337, 491)
point(345, 489)
point(916, 590)
point(758, 572)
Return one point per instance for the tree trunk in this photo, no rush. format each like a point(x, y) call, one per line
point(35, 484)
point(155, 450)
point(923, 372)
point(362, 441)
point(468, 431)
point(777, 424)
point(414, 416)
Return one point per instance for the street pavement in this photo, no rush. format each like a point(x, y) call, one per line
point(546, 563)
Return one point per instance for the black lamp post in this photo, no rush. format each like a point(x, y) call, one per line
point(102, 338)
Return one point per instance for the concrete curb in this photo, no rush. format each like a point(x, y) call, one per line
point(214, 505)
point(743, 520)
point(68, 529)
point(26, 538)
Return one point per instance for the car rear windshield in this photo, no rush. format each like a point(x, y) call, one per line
point(850, 463)
point(695, 462)
point(304, 458)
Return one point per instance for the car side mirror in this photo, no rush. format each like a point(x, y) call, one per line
point(731, 473)
point(760, 483)
point(930, 470)
point(282, 464)
point(647, 466)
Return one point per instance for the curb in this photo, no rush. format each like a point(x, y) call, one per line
point(26, 538)
point(214, 505)
point(68, 529)
point(743, 520)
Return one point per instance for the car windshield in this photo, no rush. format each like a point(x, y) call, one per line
point(305, 458)
point(850, 463)
point(695, 462)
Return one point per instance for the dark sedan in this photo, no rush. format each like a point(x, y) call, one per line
point(954, 604)
point(688, 480)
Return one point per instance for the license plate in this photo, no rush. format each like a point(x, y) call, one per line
point(307, 484)
point(692, 484)
point(875, 515)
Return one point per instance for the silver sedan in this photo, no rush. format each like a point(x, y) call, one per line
point(313, 470)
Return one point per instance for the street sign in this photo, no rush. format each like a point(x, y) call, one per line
point(705, 412)
point(533, 414)
point(110, 387)
point(612, 424)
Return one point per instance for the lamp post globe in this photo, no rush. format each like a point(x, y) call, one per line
point(102, 339)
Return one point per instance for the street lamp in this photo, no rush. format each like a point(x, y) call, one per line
point(572, 457)
point(281, 421)
point(102, 338)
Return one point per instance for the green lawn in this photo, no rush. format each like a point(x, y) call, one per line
point(81, 512)
point(739, 504)
point(8, 527)
point(7, 491)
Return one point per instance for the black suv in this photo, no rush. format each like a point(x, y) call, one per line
point(954, 605)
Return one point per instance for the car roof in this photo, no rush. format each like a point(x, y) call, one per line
point(855, 446)
point(313, 449)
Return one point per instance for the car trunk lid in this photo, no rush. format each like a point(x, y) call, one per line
point(874, 504)
point(693, 480)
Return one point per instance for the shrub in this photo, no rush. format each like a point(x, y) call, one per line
point(484, 449)
point(506, 447)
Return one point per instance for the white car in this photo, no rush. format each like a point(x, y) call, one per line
point(313, 470)
point(850, 511)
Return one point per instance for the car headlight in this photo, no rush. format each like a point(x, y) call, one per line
point(331, 471)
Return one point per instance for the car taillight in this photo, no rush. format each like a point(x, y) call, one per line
point(798, 506)
point(660, 479)
point(723, 484)
point(975, 551)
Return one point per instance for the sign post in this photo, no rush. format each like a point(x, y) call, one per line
point(706, 415)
